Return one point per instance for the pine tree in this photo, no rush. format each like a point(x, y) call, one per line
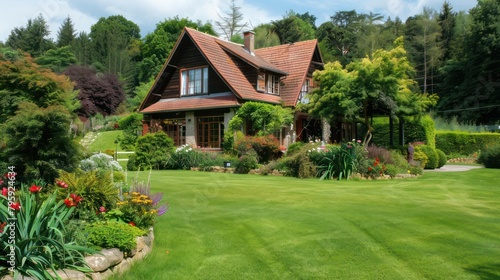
point(447, 22)
point(67, 34)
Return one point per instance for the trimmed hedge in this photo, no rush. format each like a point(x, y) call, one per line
point(432, 156)
point(465, 143)
point(416, 130)
point(442, 158)
point(490, 158)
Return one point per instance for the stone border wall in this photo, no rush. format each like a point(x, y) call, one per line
point(109, 262)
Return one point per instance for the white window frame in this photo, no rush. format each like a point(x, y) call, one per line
point(194, 81)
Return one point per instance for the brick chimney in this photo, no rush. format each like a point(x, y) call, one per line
point(249, 41)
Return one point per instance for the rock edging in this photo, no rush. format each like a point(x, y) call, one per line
point(113, 261)
point(107, 263)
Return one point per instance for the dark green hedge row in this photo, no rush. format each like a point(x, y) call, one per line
point(418, 130)
point(465, 143)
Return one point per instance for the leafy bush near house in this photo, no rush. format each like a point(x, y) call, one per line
point(185, 157)
point(266, 147)
point(152, 150)
point(442, 158)
point(419, 159)
point(294, 147)
point(246, 163)
point(40, 241)
point(432, 156)
point(490, 157)
point(130, 125)
point(338, 162)
point(464, 143)
point(113, 234)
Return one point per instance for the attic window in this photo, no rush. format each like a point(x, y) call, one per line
point(268, 83)
point(194, 81)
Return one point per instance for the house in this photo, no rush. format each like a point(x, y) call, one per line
point(205, 80)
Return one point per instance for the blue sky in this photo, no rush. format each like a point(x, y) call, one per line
point(146, 13)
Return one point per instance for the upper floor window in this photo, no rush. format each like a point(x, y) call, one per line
point(306, 88)
point(268, 83)
point(194, 81)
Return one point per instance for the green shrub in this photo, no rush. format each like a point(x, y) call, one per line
point(133, 121)
point(40, 241)
point(416, 130)
point(294, 147)
point(96, 189)
point(392, 170)
point(153, 150)
point(246, 163)
point(416, 170)
point(185, 157)
point(432, 156)
point(421, 158)
point(299, 165)
point(338, 162)
point(399, 160)
point(442, 158)
point(490, 157)
point(464, 143)
point(113, 234)
point(100, 162)
point(266, 147)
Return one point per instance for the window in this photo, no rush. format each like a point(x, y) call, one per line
point(194, 81)
point(268, 83)
point(304, 91)
point(210, 132)
point(176, 129)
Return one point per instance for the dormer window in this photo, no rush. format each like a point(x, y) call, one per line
point(194, 81)
point(268, 83)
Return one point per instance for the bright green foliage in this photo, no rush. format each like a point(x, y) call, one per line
point(57, 59)
point(152, 150)
point(96, 189)
point(490, 157)
point(442, 158)
point(38, 142)
point(41, 241)
point(430, 153)
point(464, 143)
point(338, 162)
point(383, 80)
point(140, 93)
point(131, 125)
point(264, 118)
point(265, 36)
point(112, 234)
point(421, 158)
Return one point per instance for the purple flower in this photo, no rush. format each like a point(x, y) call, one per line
point(156, 198)
point(162, 210)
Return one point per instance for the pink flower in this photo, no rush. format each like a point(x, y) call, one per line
point(5, 191)
point(102, 209)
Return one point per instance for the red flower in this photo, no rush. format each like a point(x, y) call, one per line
point(69, 202)
point(35, 189)
point(5, 191)
point(131, 223)
point(102, 209)
point(62, 184)
point(15, 206)
point(77, 199)
point(2, 225)
point(377, 159)
point(116, 126)
point(73, 200)
point(10, 175)
point(370, 169)
point(375, 164)
point(1, 181)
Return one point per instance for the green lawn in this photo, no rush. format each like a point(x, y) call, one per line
point(223, 226)
point(105, 141)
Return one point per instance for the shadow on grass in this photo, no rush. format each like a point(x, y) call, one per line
point(486, 272)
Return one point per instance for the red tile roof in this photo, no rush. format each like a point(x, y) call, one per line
point(192, 103)
point(296, 59)
point(292, 60)
point(227, 69)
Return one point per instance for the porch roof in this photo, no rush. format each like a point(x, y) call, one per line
point(192, 103)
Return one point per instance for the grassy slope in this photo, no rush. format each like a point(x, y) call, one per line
point(105, 141)
point(220, 226)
